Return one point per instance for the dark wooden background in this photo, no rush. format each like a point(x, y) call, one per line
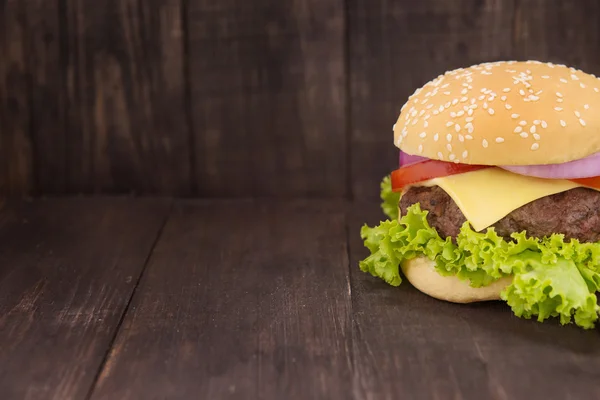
point(237, 98)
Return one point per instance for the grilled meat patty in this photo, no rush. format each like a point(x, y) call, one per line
point(574, 213)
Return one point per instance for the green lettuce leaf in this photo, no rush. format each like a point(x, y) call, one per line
point(551, 277)
point(390, 199)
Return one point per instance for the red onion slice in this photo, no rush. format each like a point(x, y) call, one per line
point(408, 159)
point(584, 168)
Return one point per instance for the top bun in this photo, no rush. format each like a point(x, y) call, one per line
point(503, 113)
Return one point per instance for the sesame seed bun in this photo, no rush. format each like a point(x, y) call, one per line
point(421, 273)
point(504, 113)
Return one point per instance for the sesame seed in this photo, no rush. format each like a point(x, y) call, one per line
point(506, 90)
point(454, 102)
point(481, 97)
point(523, 123)
point(441, 108)
point(415, 121)
point(483, 90)
point(485, 106)
point(544, 124)
point(563, 80)
point(582, 85)
point(532, 129)
point(400, 139)
point(470, 112)
point(559, 100)
point(518, 129)
point(535, 146)
point(453, 114)
point(524, 135)
point(423, 135)
point(539, 92)
point(464, 91)
point(563, 123)
point(574, 77)
point(503, 98)
point(447, 93)
point(465, 154)
point(491, 111)
point(464, 99)
point(449, 137)
point(461, 138)
point(559, 94)
point(536, 136)
point(451, 157)
point(447, 105)
point(499, 140)
point(536, 122)
point(577, 114)
point(440, 155)
point(460, 113)
point(429, 106)
point(596, 90)
point(436, 137)
point(484, 143)
point(449, 147)
point(545, 77)
point(425, 124)
point(586, 106)
point(473, 100)
point(449, 124)
point(435, 112)
point(421, 113)
point(468, 137)
point(558, 108)
point(522, 92)
point(534, 98)
point(582, 122)
point(457, 128)
point(515, 116)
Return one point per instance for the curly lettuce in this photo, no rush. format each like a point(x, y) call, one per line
point(551, 277)
point(389, 199)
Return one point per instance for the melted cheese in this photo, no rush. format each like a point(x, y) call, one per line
point(486, 196)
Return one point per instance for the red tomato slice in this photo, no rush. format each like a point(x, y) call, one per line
point(593, 182)
point(426, 170)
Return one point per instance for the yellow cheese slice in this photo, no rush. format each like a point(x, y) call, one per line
point(487, 195)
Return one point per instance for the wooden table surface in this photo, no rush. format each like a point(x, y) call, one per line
point(122, 298)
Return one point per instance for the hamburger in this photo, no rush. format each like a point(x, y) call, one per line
point(497, 194)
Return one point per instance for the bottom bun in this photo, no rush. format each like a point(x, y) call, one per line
point(421, 273)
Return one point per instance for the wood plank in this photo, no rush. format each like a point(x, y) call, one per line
point(16, 170)
point(67, 272)
point(268, 97)
point(46, 49)
point(125, 84)
point(396, 47)
point(410, 345)
point(240, 300)
point(563, 31)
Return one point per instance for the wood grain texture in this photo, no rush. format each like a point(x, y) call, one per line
point(16, 158)
point(125, 99)
point(563, 31)
point(67, 271)
point(242, 301)
point(408, 345)
point(396, 47)
point(268, 97)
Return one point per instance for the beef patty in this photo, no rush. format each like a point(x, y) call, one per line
point(574, 213)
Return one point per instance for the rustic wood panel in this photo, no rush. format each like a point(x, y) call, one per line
point(123, 64)
point(396, 47)
point(67, 272)
point(242, 301)
point(408, 344)
point(268, 97)
point(564, 31)
point(16, 169)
